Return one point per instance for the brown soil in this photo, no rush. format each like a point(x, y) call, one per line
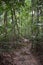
point(21, 56)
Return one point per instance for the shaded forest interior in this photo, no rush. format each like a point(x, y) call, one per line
point(21, 32)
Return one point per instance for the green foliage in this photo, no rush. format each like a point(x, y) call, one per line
point(21, 18)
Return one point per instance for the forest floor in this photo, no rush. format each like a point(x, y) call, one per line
point(20, 56)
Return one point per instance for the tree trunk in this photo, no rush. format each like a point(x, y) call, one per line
point(5, 24)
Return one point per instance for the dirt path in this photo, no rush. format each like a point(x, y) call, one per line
point(21, 56)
